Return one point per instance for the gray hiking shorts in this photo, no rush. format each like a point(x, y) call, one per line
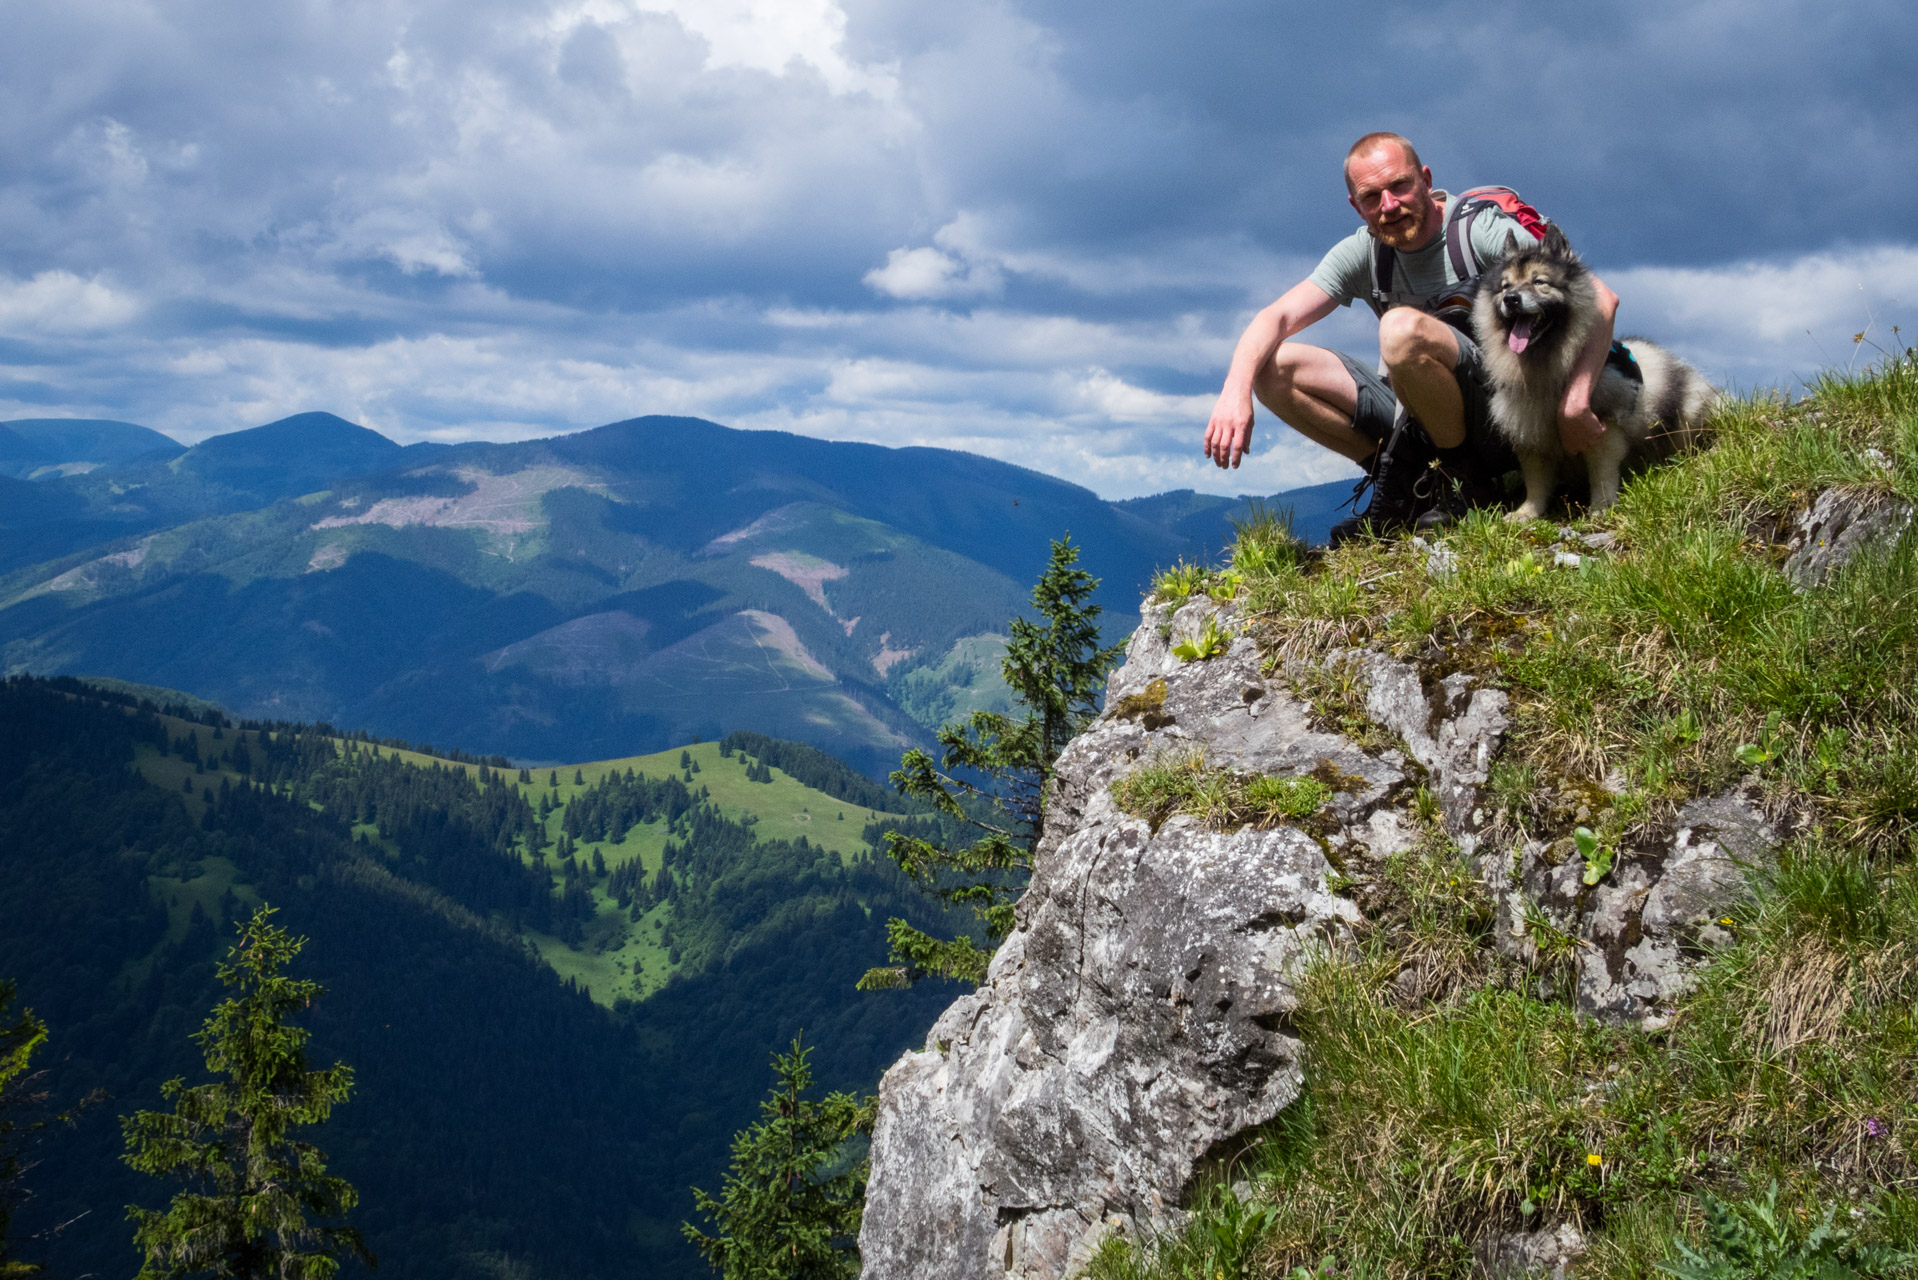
point(1378, 407)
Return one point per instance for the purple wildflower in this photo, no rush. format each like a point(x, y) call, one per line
point(1876, 1128)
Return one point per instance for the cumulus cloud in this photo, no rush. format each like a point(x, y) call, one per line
point(917, 274)
point(1029, 230)
point(1775, 323)
point(61, 303)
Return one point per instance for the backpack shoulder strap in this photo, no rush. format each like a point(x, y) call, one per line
point(1383, 259)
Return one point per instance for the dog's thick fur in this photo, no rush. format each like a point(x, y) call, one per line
point(1534, 311)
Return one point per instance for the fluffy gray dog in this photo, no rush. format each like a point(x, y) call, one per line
point(1533, 313)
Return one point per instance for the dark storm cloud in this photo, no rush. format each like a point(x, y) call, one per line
point(1031, 229)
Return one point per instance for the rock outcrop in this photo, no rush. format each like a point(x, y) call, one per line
point(1837, 526)
point(1135, 1023)
point(1638, 934)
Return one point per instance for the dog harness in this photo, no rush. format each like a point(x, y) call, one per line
point(1620, 358)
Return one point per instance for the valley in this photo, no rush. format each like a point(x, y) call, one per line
point(599, 957)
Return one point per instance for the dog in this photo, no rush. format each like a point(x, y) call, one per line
point(1532, 314)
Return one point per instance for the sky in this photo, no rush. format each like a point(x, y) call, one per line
point(1027, 228)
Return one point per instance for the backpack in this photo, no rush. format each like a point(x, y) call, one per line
point(1453, 304)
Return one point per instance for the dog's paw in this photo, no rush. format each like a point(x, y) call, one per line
point(1523, 514)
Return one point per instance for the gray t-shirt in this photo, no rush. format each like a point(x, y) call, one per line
point(1418, 275)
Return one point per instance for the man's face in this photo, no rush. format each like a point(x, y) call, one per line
point(1393, 196)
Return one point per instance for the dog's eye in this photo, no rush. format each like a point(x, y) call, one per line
point(1541, 280)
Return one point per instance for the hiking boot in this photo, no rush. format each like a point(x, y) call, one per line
point(1455, 489)
point(1401, 491)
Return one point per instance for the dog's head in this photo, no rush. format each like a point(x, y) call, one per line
point(1531, 289)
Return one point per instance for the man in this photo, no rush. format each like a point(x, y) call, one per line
point(1433, 368)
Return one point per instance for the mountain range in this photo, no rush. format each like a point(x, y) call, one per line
point(602, 593)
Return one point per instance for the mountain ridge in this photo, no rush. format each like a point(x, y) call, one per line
point(602, 593)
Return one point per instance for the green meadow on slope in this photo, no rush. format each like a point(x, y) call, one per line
point(607, 948)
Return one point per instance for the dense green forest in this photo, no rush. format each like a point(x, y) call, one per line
point(505, 1120)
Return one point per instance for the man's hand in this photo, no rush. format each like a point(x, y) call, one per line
point(1579, 432)
point(1578, 427)
point(1228, 437)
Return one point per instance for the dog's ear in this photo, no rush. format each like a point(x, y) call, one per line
point(1511, 244)
point(1555, 242)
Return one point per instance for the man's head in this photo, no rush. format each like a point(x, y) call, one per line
point(1392, 191)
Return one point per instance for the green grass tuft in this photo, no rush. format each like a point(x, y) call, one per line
point(1179, 783)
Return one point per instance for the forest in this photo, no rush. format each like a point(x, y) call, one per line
point(503, 1123)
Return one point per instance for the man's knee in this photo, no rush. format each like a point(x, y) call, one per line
point(1407, 334)
point(1281, 377)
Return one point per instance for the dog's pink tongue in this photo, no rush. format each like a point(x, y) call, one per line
point(1521, 335)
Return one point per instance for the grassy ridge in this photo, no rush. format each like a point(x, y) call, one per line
point(1770, 1124)
point(621, 957)
point(617, 957)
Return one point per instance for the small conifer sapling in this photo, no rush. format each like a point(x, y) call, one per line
point(791, 1204)
point(992, 776)
point(258, 1201)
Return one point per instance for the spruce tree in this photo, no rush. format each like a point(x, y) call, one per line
point(18, 1040)
point(789, 1208)
point(992, 775)
point(254, 1192)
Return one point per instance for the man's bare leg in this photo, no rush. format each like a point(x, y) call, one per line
point(1421, 354)
point(1310, 390)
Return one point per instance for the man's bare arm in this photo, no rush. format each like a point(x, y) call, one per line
point(1228, 436)
point(1578, 427)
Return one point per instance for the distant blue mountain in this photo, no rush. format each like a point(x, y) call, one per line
point(1208, 518)
point(49, 444)
point(296, 455)
point(19, 456)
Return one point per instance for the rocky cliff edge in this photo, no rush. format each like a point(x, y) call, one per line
point(1134, 1027)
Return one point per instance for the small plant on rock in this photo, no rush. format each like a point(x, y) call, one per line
point(1597, 854)
point(1225, 586)
point(1177, 584)
point(1212, 640)
point(1181, 784)
point(1266, 546)
point(1273, 798)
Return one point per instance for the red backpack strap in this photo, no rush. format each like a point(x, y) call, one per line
point(1466, 207)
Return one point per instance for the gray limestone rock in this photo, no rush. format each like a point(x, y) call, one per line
point(1840, 523)
point(1454, 729)
point(1135, 1021)
point(1522, 1255)
point(1644, 927)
